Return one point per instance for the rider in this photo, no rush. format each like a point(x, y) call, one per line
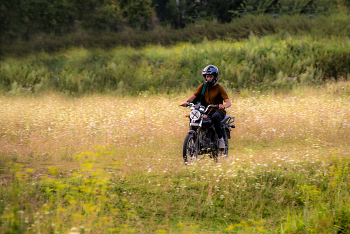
point(214, 95)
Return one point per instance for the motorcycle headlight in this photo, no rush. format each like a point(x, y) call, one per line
point(195, 115)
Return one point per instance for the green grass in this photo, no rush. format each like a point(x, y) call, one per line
point(287, 169)
point(260, 63)
point(288, 164)
point(236, 197)
point(320, 26)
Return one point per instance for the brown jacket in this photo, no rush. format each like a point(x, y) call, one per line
point(213, 95)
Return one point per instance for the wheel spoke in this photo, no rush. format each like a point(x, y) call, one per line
point(189, 152)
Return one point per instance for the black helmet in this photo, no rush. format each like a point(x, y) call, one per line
point(210, 70)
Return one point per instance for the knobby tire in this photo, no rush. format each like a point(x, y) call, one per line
point(190, 152)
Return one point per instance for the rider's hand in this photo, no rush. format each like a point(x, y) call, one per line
point(184, 104)
point(221, 107)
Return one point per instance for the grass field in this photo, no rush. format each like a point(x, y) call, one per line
point(261, 63)
point(105, 164)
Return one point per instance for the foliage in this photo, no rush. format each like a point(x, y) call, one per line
point(279, 61)
point(317, 27)
point(237, 197)
point(24, 19)
point(287, 170)
point(346, 3)
point(181, 13)
point(27, 19)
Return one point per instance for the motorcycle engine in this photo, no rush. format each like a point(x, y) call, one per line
point(205, 139)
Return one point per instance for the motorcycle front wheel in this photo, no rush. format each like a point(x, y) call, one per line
point(190, 151)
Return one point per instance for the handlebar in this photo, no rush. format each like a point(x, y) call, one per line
point(206, 109)
point(211, 106)
point(187, 104)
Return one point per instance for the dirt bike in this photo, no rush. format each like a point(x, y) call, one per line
point(202, 138)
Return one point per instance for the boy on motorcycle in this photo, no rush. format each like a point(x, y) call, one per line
point(214, 95)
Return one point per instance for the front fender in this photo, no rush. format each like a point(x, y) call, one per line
point(192, 132)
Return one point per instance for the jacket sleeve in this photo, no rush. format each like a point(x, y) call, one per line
point(197, 93)
point(223, 93)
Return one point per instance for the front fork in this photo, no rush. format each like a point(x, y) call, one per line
point(196, 143)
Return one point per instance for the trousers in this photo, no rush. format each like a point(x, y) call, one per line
point(217, 116)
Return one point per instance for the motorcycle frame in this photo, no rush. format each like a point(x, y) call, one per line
point(198, 126)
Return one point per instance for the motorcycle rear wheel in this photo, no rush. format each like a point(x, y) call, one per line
point(190, 151)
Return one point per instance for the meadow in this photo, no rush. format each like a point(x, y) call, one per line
point(105, 163)
point(279, 61)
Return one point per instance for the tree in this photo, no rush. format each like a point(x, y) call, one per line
point(137, 13)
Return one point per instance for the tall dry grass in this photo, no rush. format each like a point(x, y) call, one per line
point(102, 164)
point(55, 128)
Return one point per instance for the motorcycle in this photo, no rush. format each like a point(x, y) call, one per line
point(202, 138)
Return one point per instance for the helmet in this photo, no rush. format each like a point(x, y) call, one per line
point(210, 70)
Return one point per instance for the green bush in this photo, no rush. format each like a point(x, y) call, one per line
point(22, 20)
point(261, 25)
point(260, 63)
